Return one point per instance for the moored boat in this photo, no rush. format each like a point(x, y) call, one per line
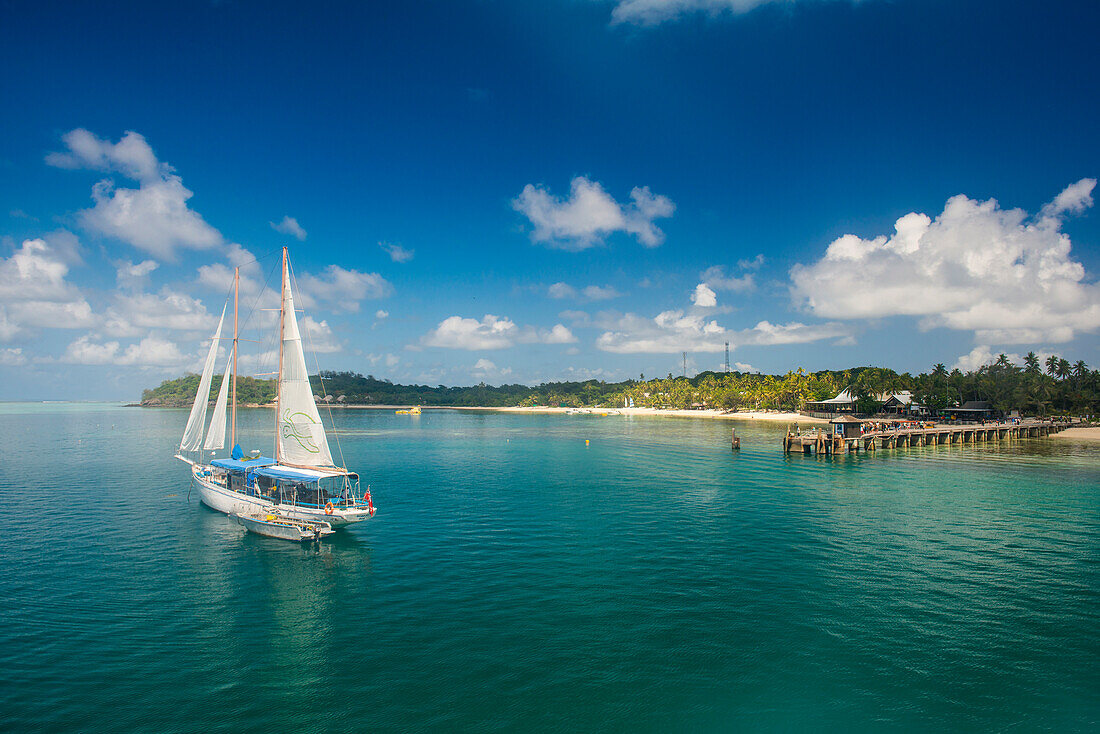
point(273, 525)
point(301, 482)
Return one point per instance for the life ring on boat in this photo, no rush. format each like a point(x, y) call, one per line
point(329, 508)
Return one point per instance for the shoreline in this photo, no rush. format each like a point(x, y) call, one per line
point(1089, 434)
point(747, 415)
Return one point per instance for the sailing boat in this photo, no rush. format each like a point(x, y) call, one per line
point(301, 482)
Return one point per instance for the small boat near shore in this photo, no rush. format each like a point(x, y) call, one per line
point(408, 411)
point(274, 525)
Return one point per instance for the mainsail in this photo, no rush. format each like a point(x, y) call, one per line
point(215, 435)
point(301, 437)
point(192, 434)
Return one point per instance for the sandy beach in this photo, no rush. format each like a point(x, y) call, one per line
point(1079, 434)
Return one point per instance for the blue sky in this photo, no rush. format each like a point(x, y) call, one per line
point(518, 192)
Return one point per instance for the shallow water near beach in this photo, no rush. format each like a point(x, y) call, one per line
point(516, 579)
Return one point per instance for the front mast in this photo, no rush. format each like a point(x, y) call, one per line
point(236, 299)
point(278, 378)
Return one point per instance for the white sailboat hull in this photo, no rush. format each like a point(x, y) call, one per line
point(217, 497)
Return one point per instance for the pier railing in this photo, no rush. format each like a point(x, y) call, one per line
point(821, 441)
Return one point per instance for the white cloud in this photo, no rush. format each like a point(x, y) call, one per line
point(562, 290)
point(590, 214)
point(131, 155)
point(290, 226)
point(976, 267)
point(491, 332)
point(599, 293)
point(397, 253)
point(34, 291)
point(342, 289)
point(744, 367)
point(381, 314)
point(12, 357)
point(131, 314)
point(317, 336)
point(153, 217)
point(588, 293)
point(484, 368)
point(132, 276)
point(716, 278)
point(979, 357)
point(456, 332)
point(675, 331)
point(558, 334)
point(654, 12)
point(704, 297)
point(84, 351)
point(152, 351)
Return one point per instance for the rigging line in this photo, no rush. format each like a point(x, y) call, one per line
point(331, 418)
point(256, 301)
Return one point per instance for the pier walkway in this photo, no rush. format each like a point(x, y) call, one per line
point(823, 442)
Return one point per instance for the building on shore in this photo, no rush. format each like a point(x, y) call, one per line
point(844, 402)
point(971, 410)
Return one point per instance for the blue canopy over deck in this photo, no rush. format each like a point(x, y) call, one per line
point(243, 465)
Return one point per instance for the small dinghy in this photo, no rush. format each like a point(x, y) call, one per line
point(279, 526)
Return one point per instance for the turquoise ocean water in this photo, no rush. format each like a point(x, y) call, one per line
point(515, 579)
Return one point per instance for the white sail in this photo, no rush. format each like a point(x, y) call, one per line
point(192, 434)
point(215, 435)
point(301, 437)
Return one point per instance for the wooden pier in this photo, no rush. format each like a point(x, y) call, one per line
point(826, 443)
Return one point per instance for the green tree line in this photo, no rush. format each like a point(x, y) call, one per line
point(1054, 385)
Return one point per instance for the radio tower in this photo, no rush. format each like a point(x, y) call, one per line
point(685, 364)
point(727, 358)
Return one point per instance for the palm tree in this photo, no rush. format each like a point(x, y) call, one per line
point(1063, 370)
point(1052, 364)
point(1031, 363)
point(1080, 370)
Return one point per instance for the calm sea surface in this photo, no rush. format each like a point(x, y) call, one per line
point(516, 579)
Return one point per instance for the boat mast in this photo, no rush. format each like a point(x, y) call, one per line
point(279, 377)
point(236, 300)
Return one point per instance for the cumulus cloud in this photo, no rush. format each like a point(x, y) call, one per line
point(12, 357)
point(317, 336)
point(342, 289)
point(131, 314)
point(35, 292)
point(975, 267)
point(132, 276)
point(981, 356)
point(590, 214)
point(675, 331)
point(131, 155)
point(289, 226)
point(715, 277)
point(491, 332)
point(149, 352)
point(155, 216)
point(704, 297)
point(588, 293)
point(655, 12)
point(397, 253)
point(484, 368)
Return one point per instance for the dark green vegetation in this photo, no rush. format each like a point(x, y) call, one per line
point(180, 392)
point(1038, 388)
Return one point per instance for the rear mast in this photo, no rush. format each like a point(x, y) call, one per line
point(282, 333)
